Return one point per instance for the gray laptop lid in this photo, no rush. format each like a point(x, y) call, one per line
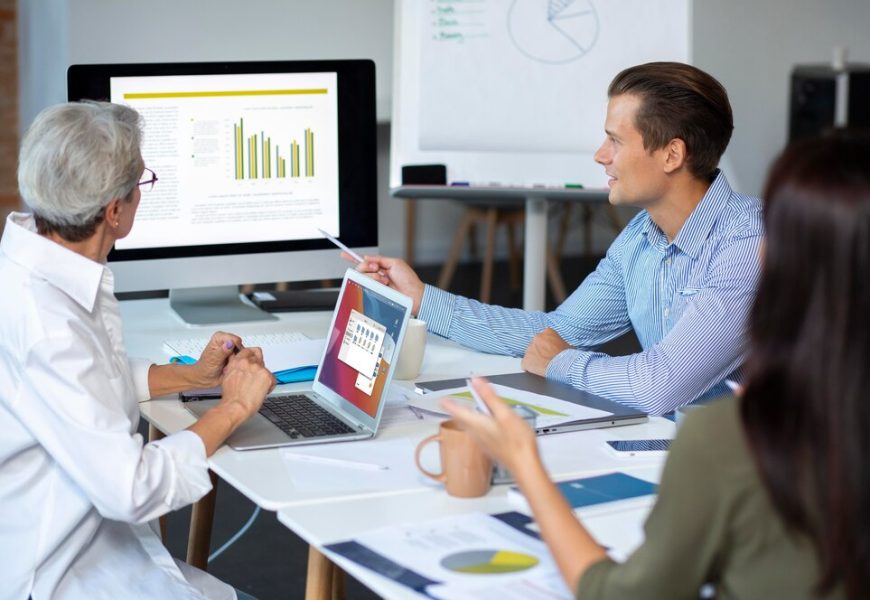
point(619, 415)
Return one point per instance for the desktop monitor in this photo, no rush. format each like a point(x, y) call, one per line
point(252, 158)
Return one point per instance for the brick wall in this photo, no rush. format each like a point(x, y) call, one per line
point(8, 107)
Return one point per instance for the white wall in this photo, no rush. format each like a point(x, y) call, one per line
point(749, 45)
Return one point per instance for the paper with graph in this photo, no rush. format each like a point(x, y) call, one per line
point(550, 411)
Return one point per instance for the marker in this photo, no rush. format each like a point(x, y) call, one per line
point(478, 401)
point(574, 186)
point(353, 255)
point(337, 462)
point(460, 183)
point(733, 386)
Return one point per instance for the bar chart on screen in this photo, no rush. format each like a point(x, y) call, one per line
point(252, 149)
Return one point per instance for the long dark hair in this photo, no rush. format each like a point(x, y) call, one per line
point(806, 408)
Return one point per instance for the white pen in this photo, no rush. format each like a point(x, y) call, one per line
point(335, 241)
point(732, 385)
point(338, 462)
point(481, 405)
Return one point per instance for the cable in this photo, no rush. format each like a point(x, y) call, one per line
point(238, 534)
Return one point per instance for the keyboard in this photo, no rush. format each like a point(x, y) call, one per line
point(299, 416)
point(193, 346)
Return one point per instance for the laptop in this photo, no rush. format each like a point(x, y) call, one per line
point(617, 414)
point(348, 394)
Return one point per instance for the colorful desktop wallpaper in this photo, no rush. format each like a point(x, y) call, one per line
point(338, 375)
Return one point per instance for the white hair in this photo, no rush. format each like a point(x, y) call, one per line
point(76, 158)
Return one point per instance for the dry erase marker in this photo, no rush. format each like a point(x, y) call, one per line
point(478, 401)
point(335, 241)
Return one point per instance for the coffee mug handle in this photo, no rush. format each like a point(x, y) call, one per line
point(441, 477)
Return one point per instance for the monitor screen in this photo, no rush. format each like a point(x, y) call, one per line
point(252, 158)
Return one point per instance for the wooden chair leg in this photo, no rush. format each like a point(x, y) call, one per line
point(320, 577)
point(587, 229)
point(554, 277)
point(201, 521)
point(489, 255)
point(564, 223)
point(446, 275)
point(513, 255)
point(410, 230)
point(615, 219)
point(155, 434)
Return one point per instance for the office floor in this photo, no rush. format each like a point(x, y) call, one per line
point(269, 561)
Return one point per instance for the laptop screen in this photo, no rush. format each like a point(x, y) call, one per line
point(361, 346)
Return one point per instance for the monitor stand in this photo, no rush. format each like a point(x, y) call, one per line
point(211, 305)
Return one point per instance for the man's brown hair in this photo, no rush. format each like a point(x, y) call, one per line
point(679, 101)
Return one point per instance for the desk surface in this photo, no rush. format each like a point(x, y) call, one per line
point(326, 517)
point(147, 323)
point(326, 524)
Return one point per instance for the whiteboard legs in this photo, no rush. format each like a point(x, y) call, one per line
point(535, 261)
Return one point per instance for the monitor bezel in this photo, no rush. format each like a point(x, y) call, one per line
point(357, 152)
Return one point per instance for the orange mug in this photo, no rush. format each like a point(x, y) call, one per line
point(466, 471)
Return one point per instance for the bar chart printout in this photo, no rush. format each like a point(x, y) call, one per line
point(241, 158)
point(257, 157)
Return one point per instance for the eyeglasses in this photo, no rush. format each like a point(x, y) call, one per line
point(149, 178)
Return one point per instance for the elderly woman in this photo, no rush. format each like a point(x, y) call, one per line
point(78, 486)
point(764, 496)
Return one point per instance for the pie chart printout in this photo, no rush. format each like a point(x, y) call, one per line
point(488, 562)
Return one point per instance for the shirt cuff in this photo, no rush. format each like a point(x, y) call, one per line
point(436, 309)
point(139, 368)
point(191, 482)
point(559, 368)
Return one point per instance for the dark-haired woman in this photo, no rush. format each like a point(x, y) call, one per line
point(764, 496)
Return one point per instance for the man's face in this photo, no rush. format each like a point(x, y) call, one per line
point(636, 177)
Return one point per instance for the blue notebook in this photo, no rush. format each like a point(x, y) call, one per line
point(594, 490)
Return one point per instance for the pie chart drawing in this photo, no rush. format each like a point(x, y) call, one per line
point(553, 31)
point(488, 562)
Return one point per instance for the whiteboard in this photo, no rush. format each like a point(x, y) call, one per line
point(514, 92)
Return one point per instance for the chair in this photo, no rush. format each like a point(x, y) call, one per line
point(491, 216)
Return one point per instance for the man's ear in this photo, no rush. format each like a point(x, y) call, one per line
point(675, 155)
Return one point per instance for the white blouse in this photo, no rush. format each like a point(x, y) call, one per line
point(78, 485)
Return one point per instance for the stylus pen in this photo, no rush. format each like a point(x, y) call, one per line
point(335, 241)
point(338, 462)
point(481, 405)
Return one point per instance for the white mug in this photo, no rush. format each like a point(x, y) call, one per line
point(411, 353)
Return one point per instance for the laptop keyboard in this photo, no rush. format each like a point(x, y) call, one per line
point(299, 416)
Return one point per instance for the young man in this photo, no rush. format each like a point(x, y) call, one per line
point(682, 273)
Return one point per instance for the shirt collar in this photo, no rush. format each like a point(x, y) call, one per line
point(694, 232)
point(77, 276)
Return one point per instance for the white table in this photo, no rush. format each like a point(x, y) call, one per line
point(262, 475)
point(323, 525)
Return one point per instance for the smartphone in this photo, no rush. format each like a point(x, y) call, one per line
point(640, 447)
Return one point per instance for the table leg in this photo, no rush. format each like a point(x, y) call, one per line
point(535, 260)
point(201, 521)
point(324, 581)
point(155, 434)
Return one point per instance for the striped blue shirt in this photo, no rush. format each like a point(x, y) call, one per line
point(687, 302)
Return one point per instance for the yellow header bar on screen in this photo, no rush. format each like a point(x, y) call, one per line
point(151, 95)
